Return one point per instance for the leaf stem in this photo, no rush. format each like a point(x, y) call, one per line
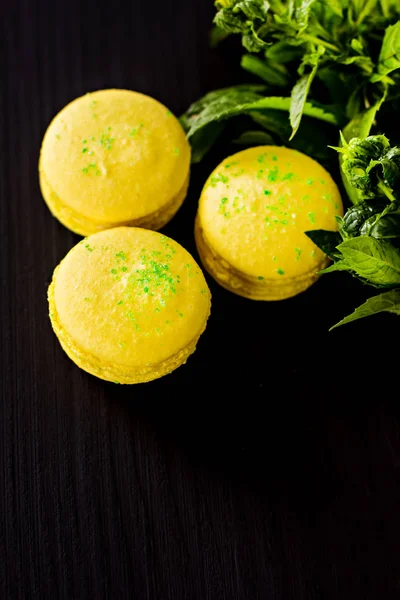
point(284, 104)
point(316, 40)
point(386, 190)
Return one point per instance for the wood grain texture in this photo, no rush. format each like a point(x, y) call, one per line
point(282, 482)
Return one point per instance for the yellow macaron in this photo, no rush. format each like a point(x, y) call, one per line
point(114, 157)
point(128, 304)
point(252, 215)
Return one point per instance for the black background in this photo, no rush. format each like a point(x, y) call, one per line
point(268, 466)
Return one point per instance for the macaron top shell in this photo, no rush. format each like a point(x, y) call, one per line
point(115, 155)
point(130, 297)
point(256, 206)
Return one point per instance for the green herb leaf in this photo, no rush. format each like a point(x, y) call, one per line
point(255, 138)
point(352, 222)
point(376, 261)
point(386, 302)
point(301, 89)
point(389, 57)
point(327, 241)
point(272, 73)
point(230, 102)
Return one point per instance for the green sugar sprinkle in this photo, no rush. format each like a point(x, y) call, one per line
point(227, 215)
point(261, 157)
point(123, 269)
point(267, 192)
point(120, 302)
point(306, 197)
point(94, 116)
point(310, 181)
point(177, 151)
point(322, 181)
point(280, 271)
point(135, 130)
point(273, 175)
point(114, 271)
point(106, 140)
point(93, 103)
point(84, 150)
point(260, 277)
point(168, 113)
point(288, 177)
point(58, 136)
point(121, 255)
point(203, 291)
point(311, 217)
point(224, 200)
point(87, 299)
point(274, 157)
point(298, 253)
point(89, 248)
point(220, 177)
point(229, 165)
point(121, 344)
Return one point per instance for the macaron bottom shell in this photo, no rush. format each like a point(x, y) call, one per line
point(84, 226)
point(114, 372)
point(244, 285)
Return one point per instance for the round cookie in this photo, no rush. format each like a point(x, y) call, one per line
point(128, 304)
point(252, 215)
point(114, 157)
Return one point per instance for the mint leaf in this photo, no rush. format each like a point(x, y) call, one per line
point(301, 89)
point(386, 302)
point(230, 102)
point(358, 127)
point(204, 139)
point(327, 241)
point(389, 57)
point(255, 138)
point(376, 261)
point(272, 73)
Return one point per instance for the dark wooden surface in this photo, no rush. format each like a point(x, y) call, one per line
point(280, 481)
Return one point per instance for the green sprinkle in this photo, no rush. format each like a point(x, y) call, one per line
point(89, 248)
point(177, 151)
point(121, 344)
point(120, 302)
point(94, 116)
point(231, 164)
point(121, 255)
point(217, 179)
point(137, 327)
point(261, 157)
point(124, 269)
point(181, 314)
point(85, 170)
point(298, 253)
point(87, 299)
point(322, 181)
point(203, 291)
point(288, 177)
point(274, 157)
point(280, 271)
point(84, 150)
point(84, 141)
point(311, 217)
point(309, 181)
point(284, 221)
point(267, 192)
point(168, 113)
point(273, 175)
point(260, 277)
point(114, 271)
point(93, 103)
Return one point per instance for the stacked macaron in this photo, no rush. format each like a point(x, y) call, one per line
point(129, 304)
